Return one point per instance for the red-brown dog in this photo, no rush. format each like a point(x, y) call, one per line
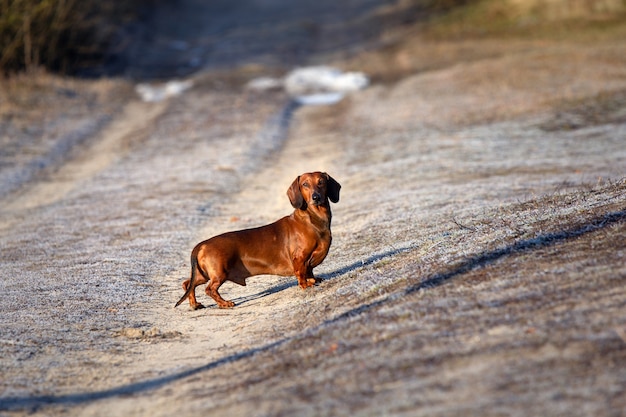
point(293, 245)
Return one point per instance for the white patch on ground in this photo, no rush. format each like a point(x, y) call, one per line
point(152, 93)
point(318, 85)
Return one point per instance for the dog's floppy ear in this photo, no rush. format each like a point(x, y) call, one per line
point(332, 188)
point(294, 194)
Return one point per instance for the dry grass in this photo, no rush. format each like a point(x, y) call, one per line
point(530, 18)
point(63, 36)
point(476, 30)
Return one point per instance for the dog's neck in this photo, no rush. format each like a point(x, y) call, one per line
point(319, 216)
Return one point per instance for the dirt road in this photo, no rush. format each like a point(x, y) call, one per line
point(477, 265)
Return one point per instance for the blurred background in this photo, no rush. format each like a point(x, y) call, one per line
point(487, 153)
point(148, 39)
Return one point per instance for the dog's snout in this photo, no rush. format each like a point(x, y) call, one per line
point(316, 197)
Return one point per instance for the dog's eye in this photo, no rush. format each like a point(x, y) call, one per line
point(305, 185)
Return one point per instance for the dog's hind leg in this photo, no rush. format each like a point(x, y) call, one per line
point(193, 303)
point(189, 285)
point(212, 290)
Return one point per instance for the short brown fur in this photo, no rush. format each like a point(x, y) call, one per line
point(293, 245)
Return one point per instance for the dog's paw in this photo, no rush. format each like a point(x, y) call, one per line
point(227, 304)
point(309, 282)
point(198, 306)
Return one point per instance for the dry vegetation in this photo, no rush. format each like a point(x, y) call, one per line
point(62, 35)
point(477, 267)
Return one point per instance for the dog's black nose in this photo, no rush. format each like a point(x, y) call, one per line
point(316, 197)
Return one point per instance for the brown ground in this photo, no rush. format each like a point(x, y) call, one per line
point(477, 268)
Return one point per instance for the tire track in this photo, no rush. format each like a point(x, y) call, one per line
point(109, 145)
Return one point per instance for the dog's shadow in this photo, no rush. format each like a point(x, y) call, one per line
point(240, 301)
point(324, 276)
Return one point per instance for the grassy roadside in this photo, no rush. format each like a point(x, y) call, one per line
point(62, 35)
point(475, 30)
point(558, 19)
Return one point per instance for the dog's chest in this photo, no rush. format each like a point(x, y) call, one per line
point(321, 249)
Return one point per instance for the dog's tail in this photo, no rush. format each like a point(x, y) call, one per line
point(192, 281)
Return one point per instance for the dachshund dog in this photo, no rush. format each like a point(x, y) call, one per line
point(293, 245)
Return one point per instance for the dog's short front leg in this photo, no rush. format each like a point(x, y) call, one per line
point(304, 273)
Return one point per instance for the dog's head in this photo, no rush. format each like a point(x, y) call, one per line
point(313, 189)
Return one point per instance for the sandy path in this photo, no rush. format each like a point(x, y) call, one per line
point(94, 208)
